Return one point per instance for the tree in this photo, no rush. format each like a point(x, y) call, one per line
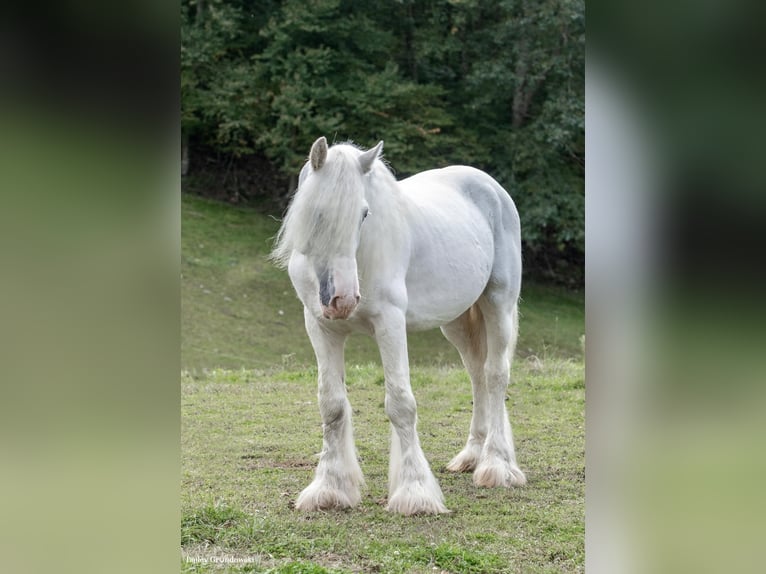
point(326, 70)
point(218, 104)
point(495, 84)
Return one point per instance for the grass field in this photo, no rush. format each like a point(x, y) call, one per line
point(251, 428)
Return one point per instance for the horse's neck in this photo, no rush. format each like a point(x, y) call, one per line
point(386, 196)
point(386, 238)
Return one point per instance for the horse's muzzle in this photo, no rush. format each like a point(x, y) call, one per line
point(340, 307)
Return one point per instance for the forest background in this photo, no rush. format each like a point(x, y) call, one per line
point(497, 85)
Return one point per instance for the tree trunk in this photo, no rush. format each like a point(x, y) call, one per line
point(520, 96)
point(409, 42)
point(184, 154)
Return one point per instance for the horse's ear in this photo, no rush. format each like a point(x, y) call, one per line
point(318, 153)
point(368, 158)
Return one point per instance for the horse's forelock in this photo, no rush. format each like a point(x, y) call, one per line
point(323, 218)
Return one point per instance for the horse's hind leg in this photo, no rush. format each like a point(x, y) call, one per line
point(497, 464)
point(338, 476)
point(467, 333)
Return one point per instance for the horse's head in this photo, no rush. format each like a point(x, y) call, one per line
point(322, 229)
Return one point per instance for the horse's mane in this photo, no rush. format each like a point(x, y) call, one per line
point(324, 213)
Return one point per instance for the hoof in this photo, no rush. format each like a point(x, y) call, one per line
point(320, 497)
point(498, 474)
point(466, 460)
point(411, 499)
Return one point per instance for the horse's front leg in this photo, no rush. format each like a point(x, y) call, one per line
point(412, 487)
point(338, 477)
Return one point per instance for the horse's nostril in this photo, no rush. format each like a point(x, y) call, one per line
point(334, 302)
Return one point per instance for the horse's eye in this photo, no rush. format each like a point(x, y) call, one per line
point(365, 213)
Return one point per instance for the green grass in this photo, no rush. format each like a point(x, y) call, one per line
point(248, 444)
point(251, 429)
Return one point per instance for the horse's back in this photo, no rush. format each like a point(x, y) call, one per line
point(474, 185)
point(438, 189)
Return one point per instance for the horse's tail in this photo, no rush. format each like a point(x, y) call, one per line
point(515, 330)
point(475, 329)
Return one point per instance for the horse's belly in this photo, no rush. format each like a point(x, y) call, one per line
point(448, 272)
point(435, 304)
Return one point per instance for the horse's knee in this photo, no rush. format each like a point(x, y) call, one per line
point(496, 373)
point(332, 407)
point(401, 407)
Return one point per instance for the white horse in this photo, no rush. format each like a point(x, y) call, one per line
point(368, 254)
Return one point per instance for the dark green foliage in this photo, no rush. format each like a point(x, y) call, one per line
point(497, 85)
point(327, 70)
